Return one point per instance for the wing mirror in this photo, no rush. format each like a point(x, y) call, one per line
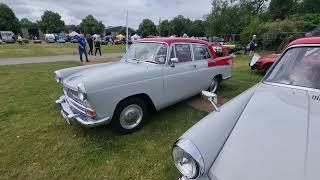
point(173, 60)
point(213, 98)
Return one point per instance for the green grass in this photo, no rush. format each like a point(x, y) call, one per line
point(242, 78)
point(36, 143)
point(45, 49)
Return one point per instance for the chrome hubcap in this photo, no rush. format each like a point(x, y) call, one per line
point(214, 85)
point(131, 116)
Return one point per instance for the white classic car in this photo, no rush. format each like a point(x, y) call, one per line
point(269, 132)
point(152, 75)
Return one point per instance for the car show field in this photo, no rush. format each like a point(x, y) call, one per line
point(49, 49)
point(37, 143)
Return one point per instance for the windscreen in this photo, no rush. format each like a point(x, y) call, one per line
point(299, 66)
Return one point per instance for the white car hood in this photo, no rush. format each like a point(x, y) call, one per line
point(276, 138)
point(108, 75)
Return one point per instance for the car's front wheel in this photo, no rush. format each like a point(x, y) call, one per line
point(214, 85)
point(130, 115)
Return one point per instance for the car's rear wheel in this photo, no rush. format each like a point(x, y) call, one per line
point(214, 85)
point(130, 115)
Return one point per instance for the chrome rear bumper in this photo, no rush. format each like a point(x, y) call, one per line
point(70, 116)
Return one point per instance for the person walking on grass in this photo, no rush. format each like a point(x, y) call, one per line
point(90, 43)
point(97, 45)
point(82, 47)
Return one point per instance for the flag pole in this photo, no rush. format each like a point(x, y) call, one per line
point(127, 31)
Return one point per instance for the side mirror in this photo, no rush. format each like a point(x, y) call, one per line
point(173, 60)
point(212, 97)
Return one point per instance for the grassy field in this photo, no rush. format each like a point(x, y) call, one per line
point(45, 49)
point(36, 143)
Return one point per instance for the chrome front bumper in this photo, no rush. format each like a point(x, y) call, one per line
point(70, 116)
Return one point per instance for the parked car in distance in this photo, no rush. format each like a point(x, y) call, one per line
point(7, 36)
point(219, 49)
point(153, 74)
point(37, 41)
point(74, 40)
point(50, 38)
point(270, 131)
point(265, 62)
point(61, 40)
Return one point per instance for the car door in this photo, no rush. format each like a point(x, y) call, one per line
point(179, 77)
point(201, 56)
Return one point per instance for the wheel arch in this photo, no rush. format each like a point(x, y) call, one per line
point(143, 96)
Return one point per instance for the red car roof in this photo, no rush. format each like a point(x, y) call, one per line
point(173, 40)
point(305, 40)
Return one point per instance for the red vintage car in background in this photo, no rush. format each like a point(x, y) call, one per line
point(265, 62)
point(219, 49)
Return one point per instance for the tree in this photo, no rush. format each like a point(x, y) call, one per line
point(25, 23)
point(146, 28)
point(8, 20)
point(51, 22)
point(165, 28)
point(280, 9)
point(197, 28)
point(311, 6)
point(181, 25)
point(90, 25)
point(224, 20)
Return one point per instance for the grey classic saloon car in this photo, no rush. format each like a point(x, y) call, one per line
point(269, 132)
point(153, 74)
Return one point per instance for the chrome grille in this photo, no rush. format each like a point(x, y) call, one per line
point(75, 103)
point(73, 95)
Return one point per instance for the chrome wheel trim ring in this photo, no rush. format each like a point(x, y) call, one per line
point(214, 85)
point(131, 116)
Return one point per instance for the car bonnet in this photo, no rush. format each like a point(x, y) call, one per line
point(276, 137)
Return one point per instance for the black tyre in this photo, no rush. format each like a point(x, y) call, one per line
point(130, 115)
point(214, 85)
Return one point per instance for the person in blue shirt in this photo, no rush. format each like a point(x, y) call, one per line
point(82, 46)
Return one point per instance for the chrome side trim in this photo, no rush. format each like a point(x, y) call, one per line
point(228, 77)
point(291, 86)
point(193, 151)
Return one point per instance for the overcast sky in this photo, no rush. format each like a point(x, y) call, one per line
point(111, 12)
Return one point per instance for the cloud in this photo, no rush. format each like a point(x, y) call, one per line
point(111, 12)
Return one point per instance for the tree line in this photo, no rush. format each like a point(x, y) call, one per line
point(177, 26)
point(273, 21)
point(50, 22)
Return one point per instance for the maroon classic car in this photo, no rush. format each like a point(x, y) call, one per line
point(265, 62)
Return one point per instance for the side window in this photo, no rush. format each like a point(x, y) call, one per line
point(162, 54)
point(200, 52)
point(183, 52)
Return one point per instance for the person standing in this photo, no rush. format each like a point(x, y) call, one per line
point(253, 44)
point(97, 45)
point(19, 39)
point(90, 43)
point(82, 47)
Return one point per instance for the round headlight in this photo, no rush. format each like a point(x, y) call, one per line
point(82, 92)
point(187, 159)
point(185, 163)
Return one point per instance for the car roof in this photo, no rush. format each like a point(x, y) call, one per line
point(305, 40)
point(173, 40)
